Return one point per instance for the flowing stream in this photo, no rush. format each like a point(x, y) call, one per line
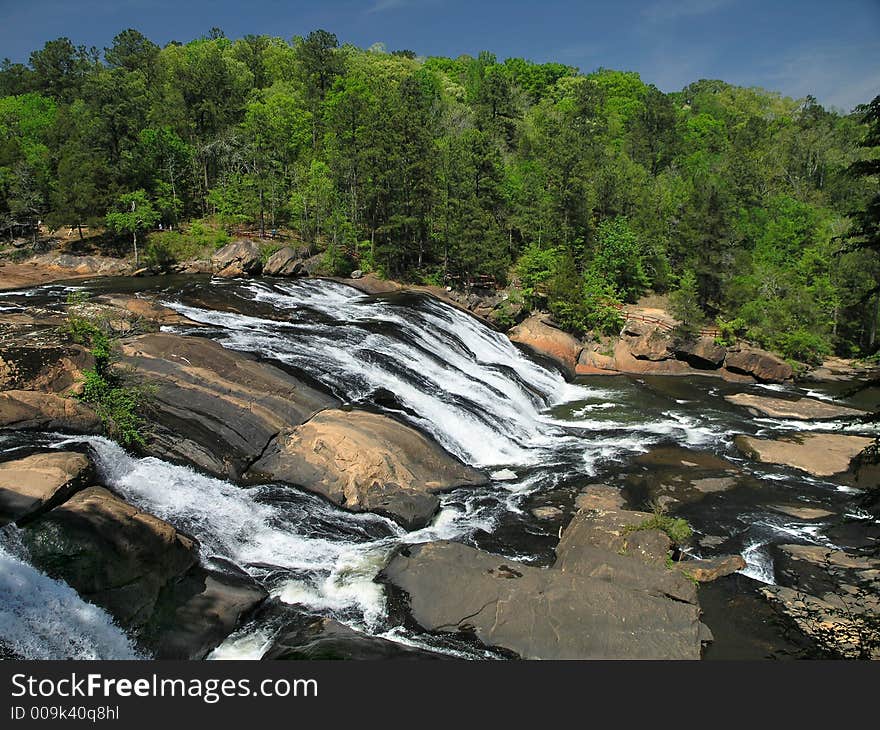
point(469, 387)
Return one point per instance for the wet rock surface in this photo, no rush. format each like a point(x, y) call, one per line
point(541, 337)
point(819, 454)
point(315, 638)
point(806, 409)
point(112, 553)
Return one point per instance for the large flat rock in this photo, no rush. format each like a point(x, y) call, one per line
point(35, 483)
point(214, 407)
point(545, 613)
point(366, 462)
point(799, 408)
point(819, 454)
point(35, 411)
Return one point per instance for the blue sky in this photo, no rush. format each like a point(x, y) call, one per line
point(829, 48)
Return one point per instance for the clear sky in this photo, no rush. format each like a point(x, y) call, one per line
point(828, 48)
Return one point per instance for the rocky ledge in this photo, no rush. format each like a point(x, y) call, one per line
point(648, 349)
point(610, 593)
point(819, 454)
point(139, 568)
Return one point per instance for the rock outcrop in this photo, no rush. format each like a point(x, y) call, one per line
point(819, 454)
point(214, 407)
point(284, 262)
point(701, 352)
point(544, 339)
point(110, 552)
point(800, 408)
point(366, 462)
point(36, 483)
point(601, 611)
point(237, 259)
point(32, 410)
point(194, 614)
point(760, 364)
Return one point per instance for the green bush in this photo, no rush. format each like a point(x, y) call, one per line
point(116, 402)
point(535, 268)
point(802, 346)
point(677, 528)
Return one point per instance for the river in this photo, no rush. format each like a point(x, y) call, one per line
point(486, 401)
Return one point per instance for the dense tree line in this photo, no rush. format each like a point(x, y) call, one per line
point(753, 209)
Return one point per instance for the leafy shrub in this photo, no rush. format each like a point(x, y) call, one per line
point(677, 528)
point(535, 267)
point(803, 346)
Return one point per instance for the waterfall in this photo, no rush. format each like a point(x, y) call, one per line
point(42, 618)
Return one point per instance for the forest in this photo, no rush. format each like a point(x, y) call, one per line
point(749, 209)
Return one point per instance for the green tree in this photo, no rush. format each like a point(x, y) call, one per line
point(134, 213)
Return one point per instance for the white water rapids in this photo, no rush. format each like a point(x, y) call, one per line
point(419, 360)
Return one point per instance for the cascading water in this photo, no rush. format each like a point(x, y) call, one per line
point(42, 618)
point(422, 361)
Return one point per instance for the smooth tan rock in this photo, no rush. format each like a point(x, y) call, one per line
point(31, 410)
point(802, 513)
point(600, 498)
point(819, 454)
point(646, 341)
point(215, 407)
point(35, 483)
point(366, 462)
point(544, 339)
point(800, 408)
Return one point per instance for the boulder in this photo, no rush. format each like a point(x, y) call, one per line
point(646, 341)
point(591, 361)
point(111, 553)
point(803, 409)
point(544, 339)
point(38, 482)
point(600, 498)
point(239, 258)
point(284, 262)
point(801, 512)
point(626, 362)
point(701, 352)
point(325, 638)
point(760, 364)
point(547, 613)
point(214, 407)
point(819, 454)
point(372, 284)
point(705, 571)
point(366, 462)
point(35, 411)
point(195, 614)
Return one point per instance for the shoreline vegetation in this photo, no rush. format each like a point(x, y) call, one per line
point(578, 193)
